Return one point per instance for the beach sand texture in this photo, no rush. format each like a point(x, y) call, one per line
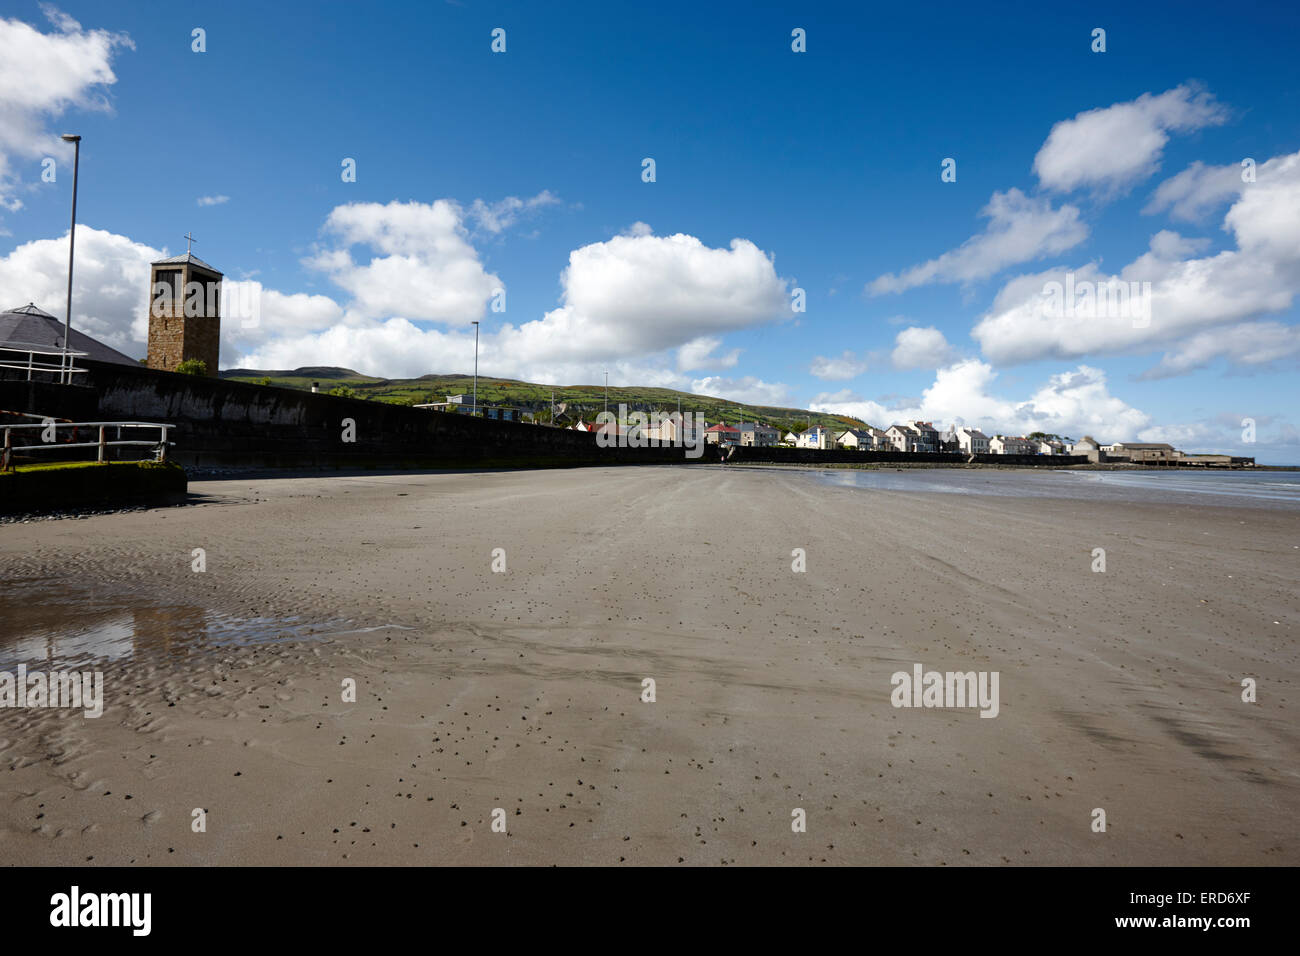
point(522, 690)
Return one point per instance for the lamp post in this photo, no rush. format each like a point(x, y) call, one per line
point(606, 393)
point(474, 409)
point(72, 244)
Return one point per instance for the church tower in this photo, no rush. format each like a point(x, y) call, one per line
point(184, 313)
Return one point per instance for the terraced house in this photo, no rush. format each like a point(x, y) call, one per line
point(819, 436)
point(1006, 445)
point(971, 441)
point(761, 436)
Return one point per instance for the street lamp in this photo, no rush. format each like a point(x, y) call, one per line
point(72, 243)
point(607, 394)
point(474, 409)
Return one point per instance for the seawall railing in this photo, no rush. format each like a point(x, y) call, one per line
point(49, 428)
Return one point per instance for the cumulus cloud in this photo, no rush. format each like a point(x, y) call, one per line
point(647, 309)
point(427, 269)
point(213, 200)
point(639, 305)
point(1276, 441)
point(645, 294)
point(1247, 345)
point(1197, 190)
point(397, 348)
point(1189, 293)
point(1020, 229)
point(1069, 403)
point(698, 353)
point(496, 217)
point(394, 348)
point(920, 348)
point(1110, 149)
point(846, 366)
point(751, 390)
point(110, 294)
point(253, 315)
point(43, 76)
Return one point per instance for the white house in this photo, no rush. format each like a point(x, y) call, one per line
point(972, 441)
point(913, 437)
point(1006, 445)
point(685, 429)
point(819, 436)
point(1087, 446)
point(900, 438)
point(879, 439)
point(857, 439)
point(927, 436)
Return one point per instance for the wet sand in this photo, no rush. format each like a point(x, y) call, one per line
point(522, 690)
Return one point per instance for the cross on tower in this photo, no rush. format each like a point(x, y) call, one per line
point(188, 240)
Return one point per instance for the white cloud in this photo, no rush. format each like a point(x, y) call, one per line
point(750, 390)
point(638, 228)
point(1188, 294)
point(427, 268)
point(846, 366)
point(496, 217)
point(1246, 345)
point(110, 294)
point(1276, 440)
point(42, 76)
point(1111, 148)
point(639, 295)
point(213, 200)
point(637, 305)
point(698, 353)
point(920, 348)
point(253, 315)
point(396, 348)
point(1070, 403)
point(393, 348)
point(1195, 191)
point(646, 308)
point(1020, 229)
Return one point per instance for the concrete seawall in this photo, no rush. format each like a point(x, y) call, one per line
point(236, 424)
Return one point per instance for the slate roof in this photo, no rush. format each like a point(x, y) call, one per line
point(187, 258)
point(31, 327)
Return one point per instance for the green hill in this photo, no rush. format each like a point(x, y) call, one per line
point(580, 400)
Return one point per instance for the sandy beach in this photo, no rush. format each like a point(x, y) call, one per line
point(522, 689)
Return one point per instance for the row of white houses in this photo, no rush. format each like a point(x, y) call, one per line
point(911, 436)
point(916, 436)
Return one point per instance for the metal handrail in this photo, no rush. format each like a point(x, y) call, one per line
point(66, 366)
point(160, 445)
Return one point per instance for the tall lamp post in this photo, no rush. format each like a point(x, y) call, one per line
point(72, 244)
point(474, 410)
point(606, 393)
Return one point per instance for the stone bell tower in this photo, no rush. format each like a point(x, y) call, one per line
point(184, 312)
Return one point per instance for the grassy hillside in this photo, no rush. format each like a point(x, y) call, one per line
point(583, 400)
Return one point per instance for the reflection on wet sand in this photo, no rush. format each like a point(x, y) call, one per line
point(44, 623)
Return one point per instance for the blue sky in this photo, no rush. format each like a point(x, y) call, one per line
point(522, 171)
